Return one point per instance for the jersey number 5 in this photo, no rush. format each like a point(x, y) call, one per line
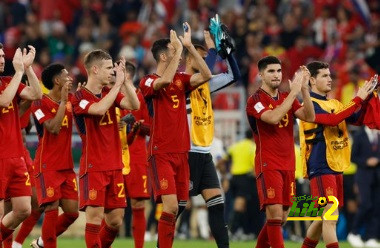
point(175, 101)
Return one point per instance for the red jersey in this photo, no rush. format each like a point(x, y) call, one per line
point(274, 143)
point(137, 150)
point(101, 148)
point(11, 144)
point(167, 107)
point(54, 150)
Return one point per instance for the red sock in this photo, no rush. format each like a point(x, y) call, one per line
point(333, 245)
point(64, 221)
point(27, 226)
point(262, 239)
point(166, 228)
point(92, 236)
point(5, 232)
point(138, 226)
point(7, 243)
point(309, 243)
point(49, 235)
point(107, 235)
point(275, 233)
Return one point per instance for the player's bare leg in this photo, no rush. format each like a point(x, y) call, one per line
point(215, 206)
point(1, 217)
point(113, 220)
point(21, 209)
point(275, 215)
point(7, 243)
point(329, 229)
point(138, 221)
point(28, 224)
point(313, 235)
point(166, 223)
point(94, 217)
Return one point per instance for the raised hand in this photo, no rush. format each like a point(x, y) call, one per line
point(65, 91)
point(366, 89)
point(186, 38)
point(175, 42)
point(120, 72)
point(297, 83)
point(80, 85)
point(17, 62)
point(305, 77)
point(28, 57)
point(208, 40)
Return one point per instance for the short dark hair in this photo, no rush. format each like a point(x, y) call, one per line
point(49, 73)
point(95, 55)
point(268, 60)
point(248, 134)
point(315, 66)
point(130, 67)
point(197, 46)
point(1, 45)
point(158, 47)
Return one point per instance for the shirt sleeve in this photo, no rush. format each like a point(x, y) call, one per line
point(255, 107)
point(185, 78)
point(20, 88)
point(41, 111)
point(296, 105)
point(146, 86)
point(81, 104)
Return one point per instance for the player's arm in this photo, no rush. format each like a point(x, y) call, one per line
point(223, 80)
point(274, 116)
point(33, 91)
point(204, 72)
point(54, 125)
point(333, 119)
point(130, 100)
point(306, 112)
point(168, 75)
point(10, 91)
point(101, 107)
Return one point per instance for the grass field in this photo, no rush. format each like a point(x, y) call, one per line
point(128, 243)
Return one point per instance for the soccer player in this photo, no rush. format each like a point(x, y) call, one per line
point(271, 117)
point(102, 193)
point(325, 147)
point(169, 142)
point(56, 182)
point(203, 177)
point(14, 176)
point(135, 175)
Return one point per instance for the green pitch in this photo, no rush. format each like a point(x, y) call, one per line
point(128, 243)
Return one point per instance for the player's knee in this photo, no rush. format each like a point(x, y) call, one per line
point(115, 222)
point(22, 212)
point(329, 223)
point(138, 204)
point(171, 209)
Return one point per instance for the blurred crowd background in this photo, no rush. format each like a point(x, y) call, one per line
point(344, 33)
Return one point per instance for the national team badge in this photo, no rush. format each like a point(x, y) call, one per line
point(178, 83)
point(271, 193)
point(92, 194)
point(50, 192)
point(329, 191)
point(164, 184)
